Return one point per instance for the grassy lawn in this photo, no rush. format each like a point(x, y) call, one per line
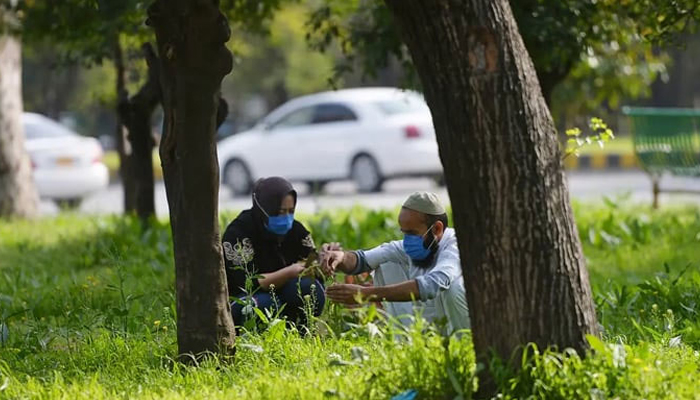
point(87, 312)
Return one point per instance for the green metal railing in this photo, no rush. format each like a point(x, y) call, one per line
point(666, 140)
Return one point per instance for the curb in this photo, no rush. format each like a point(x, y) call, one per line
point(586, 162)
point(114, 175)
point(602, 162)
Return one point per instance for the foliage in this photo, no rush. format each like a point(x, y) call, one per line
point(608, 74)
point(88, 30)
point(561, 37)
point(614, 235)
point(85, 31)
point(600, 134)
point(87, 311)
point(615, 370)
point(275, 64)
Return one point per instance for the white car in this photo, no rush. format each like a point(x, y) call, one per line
point(366, 134)
point(67, 167)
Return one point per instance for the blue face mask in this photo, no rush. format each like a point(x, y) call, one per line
point(278, 224)
point(413, 246)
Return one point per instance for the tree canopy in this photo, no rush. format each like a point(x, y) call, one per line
point(606, 43)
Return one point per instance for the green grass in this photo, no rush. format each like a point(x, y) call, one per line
point(87, 312)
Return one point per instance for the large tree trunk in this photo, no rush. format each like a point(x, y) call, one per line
point(524, 269)
point(136, 113)
point(191, 37)
point(124, 149)
point(18, 196)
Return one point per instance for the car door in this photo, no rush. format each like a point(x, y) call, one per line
point(277, 152)
point(326, 144)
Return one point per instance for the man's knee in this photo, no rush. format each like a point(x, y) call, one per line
point(453, 301)
point(389, 273)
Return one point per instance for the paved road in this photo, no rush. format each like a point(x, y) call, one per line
point(590, 186)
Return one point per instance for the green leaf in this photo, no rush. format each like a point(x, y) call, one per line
point(261, 315)
point(596, 344)
point(573, 132)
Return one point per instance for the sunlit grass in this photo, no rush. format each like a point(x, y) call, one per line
point(87, 312)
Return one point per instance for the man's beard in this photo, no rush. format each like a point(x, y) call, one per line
point(428, 261)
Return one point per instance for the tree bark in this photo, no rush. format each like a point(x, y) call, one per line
point(18, 196)
point(124, 150)
point(191, 36)
point(523, 265)
point(136, 113)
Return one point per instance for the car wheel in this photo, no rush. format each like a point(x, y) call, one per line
point(316, 187)
point(365, 173)
point(237, 178)
point(69, 204)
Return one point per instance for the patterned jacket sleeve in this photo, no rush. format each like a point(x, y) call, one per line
point(306, 244)
point(238, 259)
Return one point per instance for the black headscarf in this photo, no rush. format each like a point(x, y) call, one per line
point(269, 193)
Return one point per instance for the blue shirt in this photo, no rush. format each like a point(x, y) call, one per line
point(446, 267)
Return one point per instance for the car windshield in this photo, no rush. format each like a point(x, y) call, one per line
point(403, 105)
point(45, 128)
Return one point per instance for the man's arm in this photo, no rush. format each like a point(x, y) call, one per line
point(348, 294)
point(355, 262)
point(404, 291)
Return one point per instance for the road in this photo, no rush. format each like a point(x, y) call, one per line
point(585, 186)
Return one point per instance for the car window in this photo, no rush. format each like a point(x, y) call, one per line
point(41, 131)
point(403, 105)
point(300, 117)
point(327, 113)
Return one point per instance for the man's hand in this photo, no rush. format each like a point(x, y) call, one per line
point(346, 294)
point(323, 255)
point(333, 246)
point(331, 260)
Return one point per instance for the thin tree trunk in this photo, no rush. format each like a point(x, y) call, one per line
point(18, 196)
point(124, 149)
point(191, 37)
point(136, 113)
point(524, 269)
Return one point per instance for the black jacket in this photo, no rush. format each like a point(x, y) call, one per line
point(249, 249)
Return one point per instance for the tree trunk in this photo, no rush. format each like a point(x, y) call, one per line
point(124, 150)
point(191, 37)
point(18, 196)
point(523, 265)
point(136, 113)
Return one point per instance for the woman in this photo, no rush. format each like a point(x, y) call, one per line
point(263, 249)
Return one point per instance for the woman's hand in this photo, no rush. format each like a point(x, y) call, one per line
point(280, 277)
point(296, 270)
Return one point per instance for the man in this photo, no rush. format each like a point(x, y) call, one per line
point(423, 268)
